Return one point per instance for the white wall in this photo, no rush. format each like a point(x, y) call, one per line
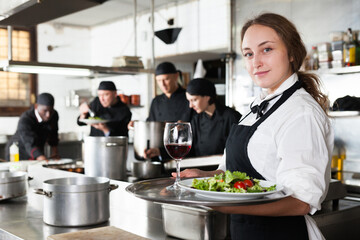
point(314, 20)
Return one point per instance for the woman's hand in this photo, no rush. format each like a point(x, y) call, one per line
point(194, 172)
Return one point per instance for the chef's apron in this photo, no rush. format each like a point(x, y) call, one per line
point(259, 227)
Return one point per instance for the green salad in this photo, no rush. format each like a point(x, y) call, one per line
point(95, 118)
point(233, 182)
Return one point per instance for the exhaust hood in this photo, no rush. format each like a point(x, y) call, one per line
point(27, 13)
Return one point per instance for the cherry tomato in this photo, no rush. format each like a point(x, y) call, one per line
point(239, 184)
point(248, 183)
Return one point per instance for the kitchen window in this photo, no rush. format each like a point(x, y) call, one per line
point(17, 90)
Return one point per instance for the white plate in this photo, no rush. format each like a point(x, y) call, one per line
point(59, 161)
point(93, 121)
point(186, 184)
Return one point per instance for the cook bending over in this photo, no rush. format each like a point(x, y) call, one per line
point(286, 136)
point(37, 126)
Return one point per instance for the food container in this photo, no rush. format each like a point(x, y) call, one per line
point(76, 201)
point(125, 98)
point(135, 100)
point(194, 222)
point(12, 184)
point(106, 157)
point(146, 169)
point(147, 135)
point(324, 47)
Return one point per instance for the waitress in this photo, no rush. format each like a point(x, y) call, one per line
point(286, 137)
point(212, 123)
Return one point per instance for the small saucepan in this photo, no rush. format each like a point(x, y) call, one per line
point(146, 169)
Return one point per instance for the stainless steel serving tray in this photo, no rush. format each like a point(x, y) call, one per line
point(155, 190)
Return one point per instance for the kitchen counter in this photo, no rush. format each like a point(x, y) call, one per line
point(22, 216)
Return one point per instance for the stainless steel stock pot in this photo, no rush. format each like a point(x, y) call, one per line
point(76, 201)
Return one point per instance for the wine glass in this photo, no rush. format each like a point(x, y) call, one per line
point(177, 142)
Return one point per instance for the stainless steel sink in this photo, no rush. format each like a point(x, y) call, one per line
point(8, 236)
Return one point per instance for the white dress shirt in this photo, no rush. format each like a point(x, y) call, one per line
point(293, 147)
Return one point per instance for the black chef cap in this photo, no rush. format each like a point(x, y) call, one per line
point(165, 68)
point(107, 85)
point(45, 99)
point(201, 87)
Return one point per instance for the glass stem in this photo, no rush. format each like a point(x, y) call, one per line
point(177, 173)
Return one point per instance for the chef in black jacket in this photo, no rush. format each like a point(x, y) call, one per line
point(212, 123)
point(171, 106)
point(37, 126)
point(107, 106)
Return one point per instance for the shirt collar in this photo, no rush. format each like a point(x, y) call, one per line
point(38, 116)
point(264, 95)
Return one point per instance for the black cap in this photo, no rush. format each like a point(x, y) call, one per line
point(201, 87)
point(45, 99)
point(165, 68)
point(107, 85)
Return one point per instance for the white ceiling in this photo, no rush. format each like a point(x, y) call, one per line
point(112, 10)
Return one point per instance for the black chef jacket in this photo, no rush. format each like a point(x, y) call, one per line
point(210, 133)
point(173, 109)
point(32, 135)
point(119, 115)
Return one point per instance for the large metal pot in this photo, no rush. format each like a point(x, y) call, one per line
point(76, 201)
point(146, 169)
point(12, 184)
point(106, 157)
point(147, 135)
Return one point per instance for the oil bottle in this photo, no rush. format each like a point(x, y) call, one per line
point(14, 152)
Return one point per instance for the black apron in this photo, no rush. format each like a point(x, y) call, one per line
point(259, 227)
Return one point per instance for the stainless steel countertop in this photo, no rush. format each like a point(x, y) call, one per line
point(23, 216)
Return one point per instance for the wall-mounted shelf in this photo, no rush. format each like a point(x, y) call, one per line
point(343, 114)
point(339, 71)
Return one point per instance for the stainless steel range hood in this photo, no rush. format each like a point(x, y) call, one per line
point(27, 13)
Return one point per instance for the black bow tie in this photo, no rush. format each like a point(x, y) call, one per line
point(258, 109)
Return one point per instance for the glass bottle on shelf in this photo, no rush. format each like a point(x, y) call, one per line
point(349, 49)
point(314, 58)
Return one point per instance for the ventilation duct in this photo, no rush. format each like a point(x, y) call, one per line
point(32, 12)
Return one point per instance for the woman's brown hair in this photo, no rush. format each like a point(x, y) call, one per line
point(296, 49)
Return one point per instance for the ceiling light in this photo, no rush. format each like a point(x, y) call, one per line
point(45, 68)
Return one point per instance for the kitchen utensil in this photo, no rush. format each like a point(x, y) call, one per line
point(146, 169)
point(91, 113)
point(106, 157)
point(12, 184)
point(144, 131)
point(156, 190)
point(193, 222)
point(177, 142)
point(76, 201)
point(102, 233)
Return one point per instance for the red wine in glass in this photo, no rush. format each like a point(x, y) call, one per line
point(177, 151)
